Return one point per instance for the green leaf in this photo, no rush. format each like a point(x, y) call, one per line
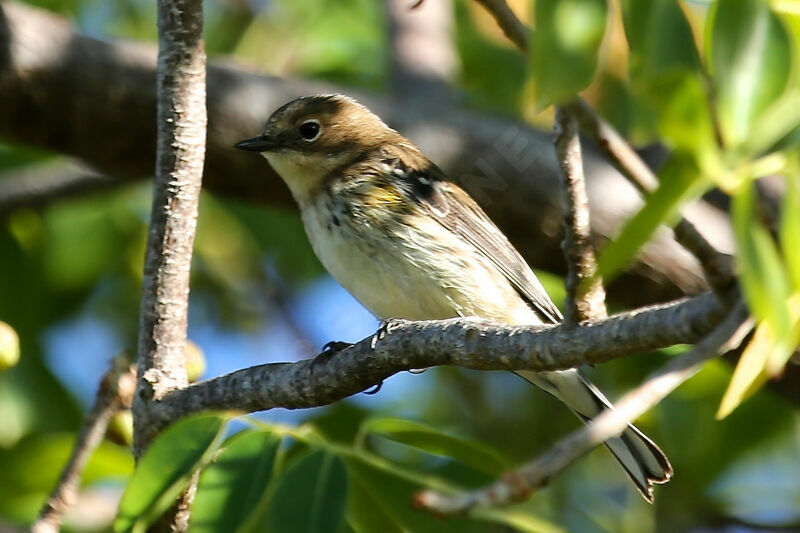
point(393, 497)
point(790, 228)
point(364, 511)
point(763, 276)
point(749, 374)
point(679, 101)
point(310, 496)
point(659, 37)
point(751, 63)
point(231, 487)
point(518, 520)
point(775, 125)
point(680, 181)
point(565, 44)
point(432, 441)
point(165, 469)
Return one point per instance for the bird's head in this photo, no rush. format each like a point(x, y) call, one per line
point(312, 136)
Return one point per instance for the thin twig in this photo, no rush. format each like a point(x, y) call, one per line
point(180, 153)
point(585, 293)
point(116, 391)
point(718, 267)
point(512, 27)
point(518, 485)
point(465, 342)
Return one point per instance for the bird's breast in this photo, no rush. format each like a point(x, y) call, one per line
point(399, 265)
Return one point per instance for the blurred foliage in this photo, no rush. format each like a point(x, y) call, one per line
point(714, 82)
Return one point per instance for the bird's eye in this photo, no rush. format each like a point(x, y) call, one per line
point(309, 130)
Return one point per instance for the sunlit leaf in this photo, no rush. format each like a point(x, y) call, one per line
point(165, 469)
point(775, 125)
point(433, 441)
point(751, 65)
point(232, 486)
point(680, 181)
point(518, 520)
point(790, 228)
point(565, 43)
point(763, 276)
point(310, 496)
point(749, 373)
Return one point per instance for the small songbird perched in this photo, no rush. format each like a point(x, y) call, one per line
point(407, 243)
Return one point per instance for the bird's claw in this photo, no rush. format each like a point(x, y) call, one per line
point(375, 389)
point(384, 329)
point(333, 347)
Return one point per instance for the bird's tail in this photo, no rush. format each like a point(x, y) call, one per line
point(644, 462)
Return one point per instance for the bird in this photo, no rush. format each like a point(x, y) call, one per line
point(408, 243)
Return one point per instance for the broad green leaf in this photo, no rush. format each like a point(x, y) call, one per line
point(310, 496)
point(750, 60)
point(565, 44)
point(433, 441)
point(772, 129)
point(165, 469)
point(680, 182)
point(364, 512)
point(790, 228)
point(659, 37)
point(678, 99)
point(231, 487)
point(763, 276)
point(394, 496)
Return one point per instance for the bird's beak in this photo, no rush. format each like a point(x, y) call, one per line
point(256, 144)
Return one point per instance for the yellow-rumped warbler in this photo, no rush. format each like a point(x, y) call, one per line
point(407, 243)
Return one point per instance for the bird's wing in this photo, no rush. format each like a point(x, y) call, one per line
point(457, 212)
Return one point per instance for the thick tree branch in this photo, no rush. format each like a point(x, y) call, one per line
point(173, 220)
point(586, 297)
point(469, 343)
point(116, 391)
point(52, 78)
point(518, 485)
point(42, 184)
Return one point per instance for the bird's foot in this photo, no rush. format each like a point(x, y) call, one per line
point(384, 329)
point(332, 348)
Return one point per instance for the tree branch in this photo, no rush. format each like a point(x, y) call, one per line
point(718, 267)
point(469, 343)
point(52, 78)
point(518, 485)
point(586, 297)
point(512, 27)
point(179, 169)
point(116, 390)
point(39, 185)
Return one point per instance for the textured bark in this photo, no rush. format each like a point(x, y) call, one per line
point(80, 96)
point(180, 148)
point(586, 297)
point(469, 343)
